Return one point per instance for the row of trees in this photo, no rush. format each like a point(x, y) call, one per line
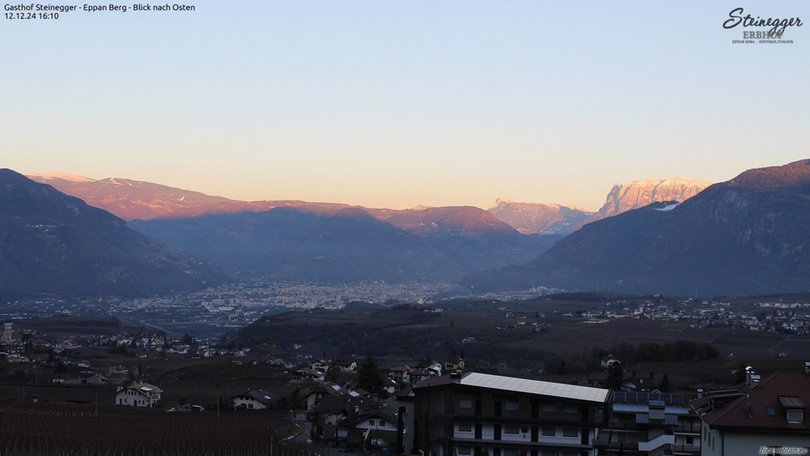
point(589, 359)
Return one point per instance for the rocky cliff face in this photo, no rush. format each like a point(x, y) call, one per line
point(531, 218)
point(741, 237)
point(640, 193)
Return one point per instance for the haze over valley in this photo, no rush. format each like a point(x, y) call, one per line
point(686, 238)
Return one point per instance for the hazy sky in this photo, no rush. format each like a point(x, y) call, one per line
point(404, 103)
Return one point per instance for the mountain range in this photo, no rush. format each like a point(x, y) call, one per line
point(350, 244)
point(303, 241)
point(744, 236)
point(53, 243)
point(534, 218)
point(297, 240)
point(138, 200)
point(531, 218)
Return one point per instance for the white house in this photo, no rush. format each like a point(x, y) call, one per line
point(139, 394)
point(253, 400)
point(376, 428)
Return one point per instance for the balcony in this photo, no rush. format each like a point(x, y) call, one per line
point(616, 440)
point(686, 449)
point(687, 429)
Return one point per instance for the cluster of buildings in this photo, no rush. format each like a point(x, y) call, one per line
point(477, 414)
point(439, 410)
point(785, 318)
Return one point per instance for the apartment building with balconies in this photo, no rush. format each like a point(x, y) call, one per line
point(477, 414)
point(649, 424)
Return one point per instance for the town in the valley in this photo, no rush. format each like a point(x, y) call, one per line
point(131, 365)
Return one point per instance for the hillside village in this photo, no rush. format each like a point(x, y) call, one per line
point(438, 407)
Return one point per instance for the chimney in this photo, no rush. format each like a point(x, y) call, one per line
point(700, 393)
point(751, 377)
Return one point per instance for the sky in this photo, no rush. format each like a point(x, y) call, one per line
point(400, 103)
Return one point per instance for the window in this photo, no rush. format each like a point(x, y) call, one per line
point(549, 430)
point(571, 409)
point(465, 404)
point(511, 429)
point(511, 406)
point(690, 440)
point(464, 427)
point(549, 407)
point(464, 451)
point(570, 432)
point(795, 416)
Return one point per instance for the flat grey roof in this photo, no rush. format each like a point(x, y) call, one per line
point(522, 385)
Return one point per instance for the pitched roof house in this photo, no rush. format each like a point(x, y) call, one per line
point(759, 417)
point(139, 394)
point(256, 399)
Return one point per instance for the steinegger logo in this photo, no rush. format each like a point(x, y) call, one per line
point(761, 30)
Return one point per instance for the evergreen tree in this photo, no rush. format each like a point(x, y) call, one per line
point(615, 375)
point(368, 376)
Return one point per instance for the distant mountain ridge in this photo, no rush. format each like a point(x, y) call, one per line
point(529, 218)
point(297, 240)
point(137, 200)
point(458, 219)
point(534, 218)
point(741, 237)
point(345, 246)
point(52, 243)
